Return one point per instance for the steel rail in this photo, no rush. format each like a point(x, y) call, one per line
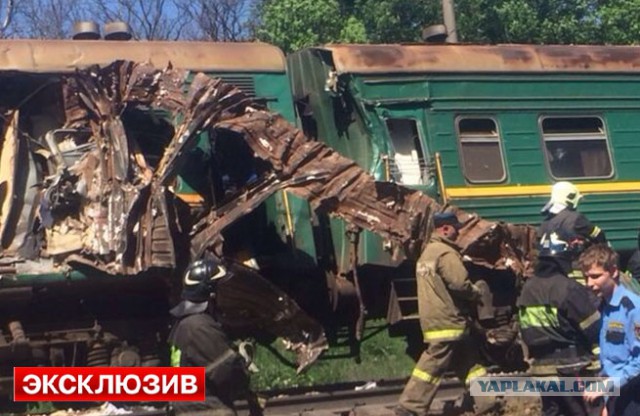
point(344, 399)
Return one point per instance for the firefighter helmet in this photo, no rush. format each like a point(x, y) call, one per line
point(555, 250)
point(552, 245)
point(201, 278)
point(563, 195)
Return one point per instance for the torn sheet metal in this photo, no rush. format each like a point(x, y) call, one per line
point(248, 302)
point(121, 211)
point(89, 194)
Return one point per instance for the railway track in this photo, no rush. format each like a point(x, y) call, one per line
point(342, 399)
point(371, 399)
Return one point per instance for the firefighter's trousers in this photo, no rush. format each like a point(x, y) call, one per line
point(461, 356)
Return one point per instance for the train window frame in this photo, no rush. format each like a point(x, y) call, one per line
point(423, 162)
point(580, 137)
point(462, 139)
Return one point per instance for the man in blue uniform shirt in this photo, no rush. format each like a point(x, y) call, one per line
point(620, 332)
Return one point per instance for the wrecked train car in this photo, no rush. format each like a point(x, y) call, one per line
point(116, 174)
point(99, 194)
point(487, 128)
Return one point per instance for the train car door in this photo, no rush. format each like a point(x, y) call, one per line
point(407, 158)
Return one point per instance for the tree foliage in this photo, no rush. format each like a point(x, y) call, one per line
point(478, 21)
point(293, 24)
point(528, 21)
point(620, 21)
point(389, 21)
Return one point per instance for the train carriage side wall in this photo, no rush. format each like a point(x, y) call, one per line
point(341, 121)
point(498, 138)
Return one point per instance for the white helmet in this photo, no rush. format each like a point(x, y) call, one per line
point(563, 194)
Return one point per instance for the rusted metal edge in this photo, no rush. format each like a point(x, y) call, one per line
point(60, 56)
point(429, 58)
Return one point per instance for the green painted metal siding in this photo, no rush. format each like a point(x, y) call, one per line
point(338, 117)
point(516, 102)
point(341, 124)
point(518, 106)
point(276, 90)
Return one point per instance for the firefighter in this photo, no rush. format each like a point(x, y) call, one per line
point(562, 215)
point(198, 340)
point(559, 322)
point(445, 294)
point(620, 333)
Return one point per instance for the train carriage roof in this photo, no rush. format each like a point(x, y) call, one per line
point(43, 56)
point(425, 58)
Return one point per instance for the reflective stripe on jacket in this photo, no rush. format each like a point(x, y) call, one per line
point(559, 321)
point(572, 223)
point(444, 291)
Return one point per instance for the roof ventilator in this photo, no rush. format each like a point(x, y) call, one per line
point(435, 34)
point(117, 31)
point(85, 30)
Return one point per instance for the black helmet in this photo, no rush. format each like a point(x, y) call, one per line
point(553, 245)
point(561, 244)
point(560, 248)
point(201, 278)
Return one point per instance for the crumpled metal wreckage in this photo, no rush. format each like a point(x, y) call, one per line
point(89, 192)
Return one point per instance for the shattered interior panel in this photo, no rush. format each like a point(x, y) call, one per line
point(89, 164)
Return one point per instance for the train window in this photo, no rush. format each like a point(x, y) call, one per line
point(480, 150)
point(407, 163)
point(576, 147)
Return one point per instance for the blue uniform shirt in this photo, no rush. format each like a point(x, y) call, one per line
point(620, 335)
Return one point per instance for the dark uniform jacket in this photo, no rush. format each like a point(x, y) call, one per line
point(559, 319)
point(197, 340)
point(572, 223)
point(633, 265)
point(444, 291)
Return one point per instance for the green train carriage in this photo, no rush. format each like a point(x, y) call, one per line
point(485, 128)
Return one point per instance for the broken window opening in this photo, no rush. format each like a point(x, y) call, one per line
point(480, 150)
point(407, 163)
point(234, 165)
point(150, 130)
point(576, 147)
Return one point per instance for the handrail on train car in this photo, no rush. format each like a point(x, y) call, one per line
point(441, 185)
